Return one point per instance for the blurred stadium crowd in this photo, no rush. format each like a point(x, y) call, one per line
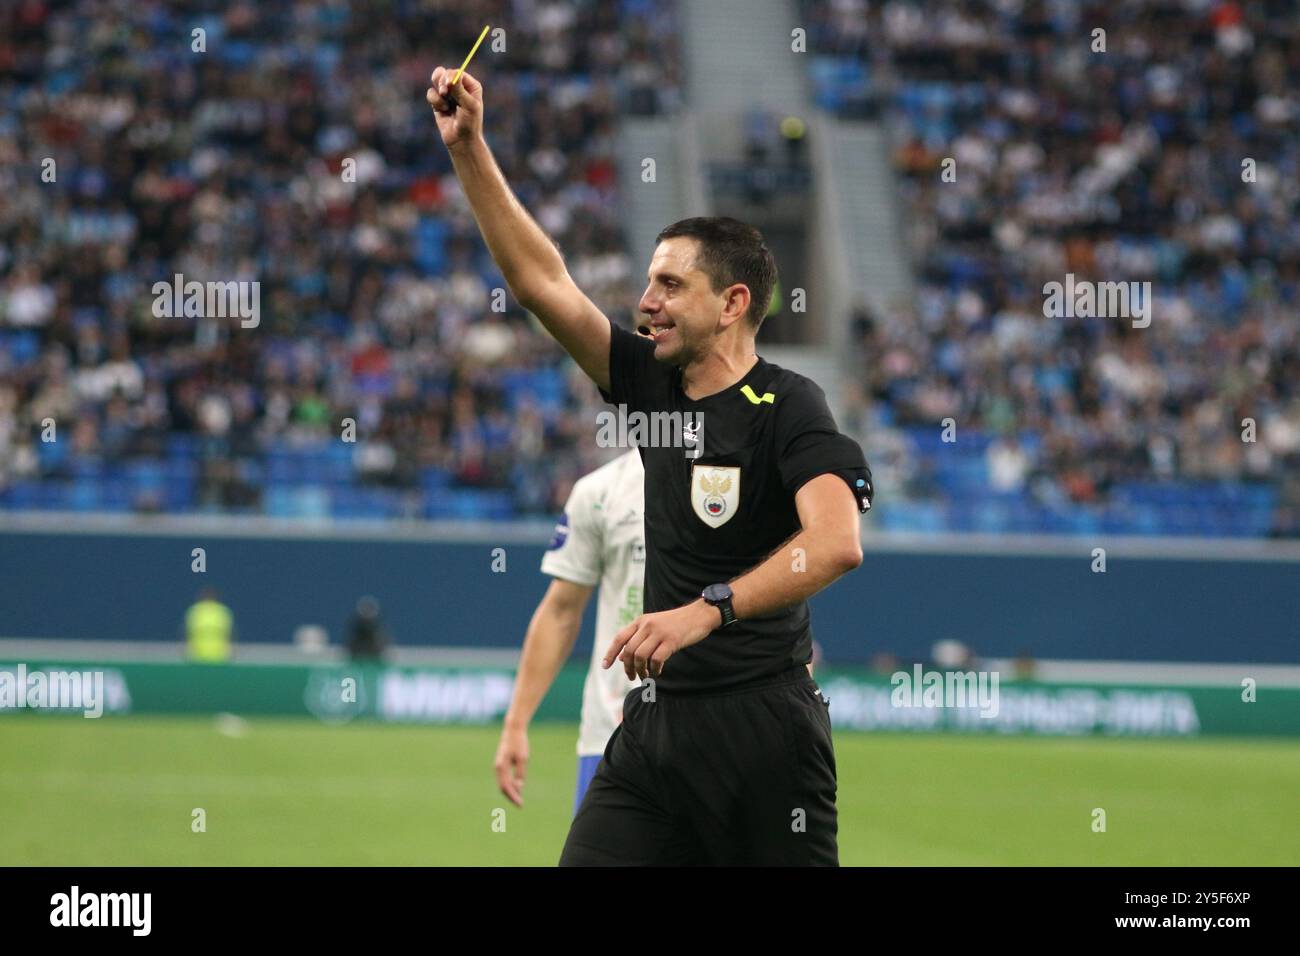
point(1122, 165)
point(377, 294)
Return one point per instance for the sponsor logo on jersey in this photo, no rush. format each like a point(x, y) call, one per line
point(561, 533)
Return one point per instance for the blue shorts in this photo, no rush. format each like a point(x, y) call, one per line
point(586, 770)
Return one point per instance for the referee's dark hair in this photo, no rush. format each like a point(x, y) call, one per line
point(731, 252)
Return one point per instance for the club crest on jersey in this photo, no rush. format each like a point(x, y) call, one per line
point(715, 493)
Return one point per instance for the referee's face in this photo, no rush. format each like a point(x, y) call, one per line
point(679, 304)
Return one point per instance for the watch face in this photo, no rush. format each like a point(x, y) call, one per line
point(717, 592)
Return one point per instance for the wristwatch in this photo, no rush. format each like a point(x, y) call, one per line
point(719, 595)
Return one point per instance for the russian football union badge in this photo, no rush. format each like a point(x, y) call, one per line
point(715, 493)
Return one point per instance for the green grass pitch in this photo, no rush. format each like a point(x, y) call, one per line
point(121, 791)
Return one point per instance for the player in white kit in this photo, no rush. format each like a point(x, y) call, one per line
point(598, 540)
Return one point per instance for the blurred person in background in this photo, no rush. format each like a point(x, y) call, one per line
point(367, 639)
point(598, 540)
point(209, 630)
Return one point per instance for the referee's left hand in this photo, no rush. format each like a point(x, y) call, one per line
point(651, 639)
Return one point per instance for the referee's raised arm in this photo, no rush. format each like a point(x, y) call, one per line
point(529, 260)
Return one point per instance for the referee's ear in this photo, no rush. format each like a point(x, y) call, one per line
point(736, 301)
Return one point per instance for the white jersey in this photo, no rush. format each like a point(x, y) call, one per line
point(600, 538)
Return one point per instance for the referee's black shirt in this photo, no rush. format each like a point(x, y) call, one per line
point(761, 440)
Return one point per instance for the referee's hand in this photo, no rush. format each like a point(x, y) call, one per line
point(458, 111)
point(645, 644)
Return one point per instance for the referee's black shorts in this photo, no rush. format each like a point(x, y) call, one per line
point(743, 777)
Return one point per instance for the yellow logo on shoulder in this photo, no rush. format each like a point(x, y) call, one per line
point(715, 493)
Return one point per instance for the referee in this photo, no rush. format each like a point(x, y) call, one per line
point(724, 755)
